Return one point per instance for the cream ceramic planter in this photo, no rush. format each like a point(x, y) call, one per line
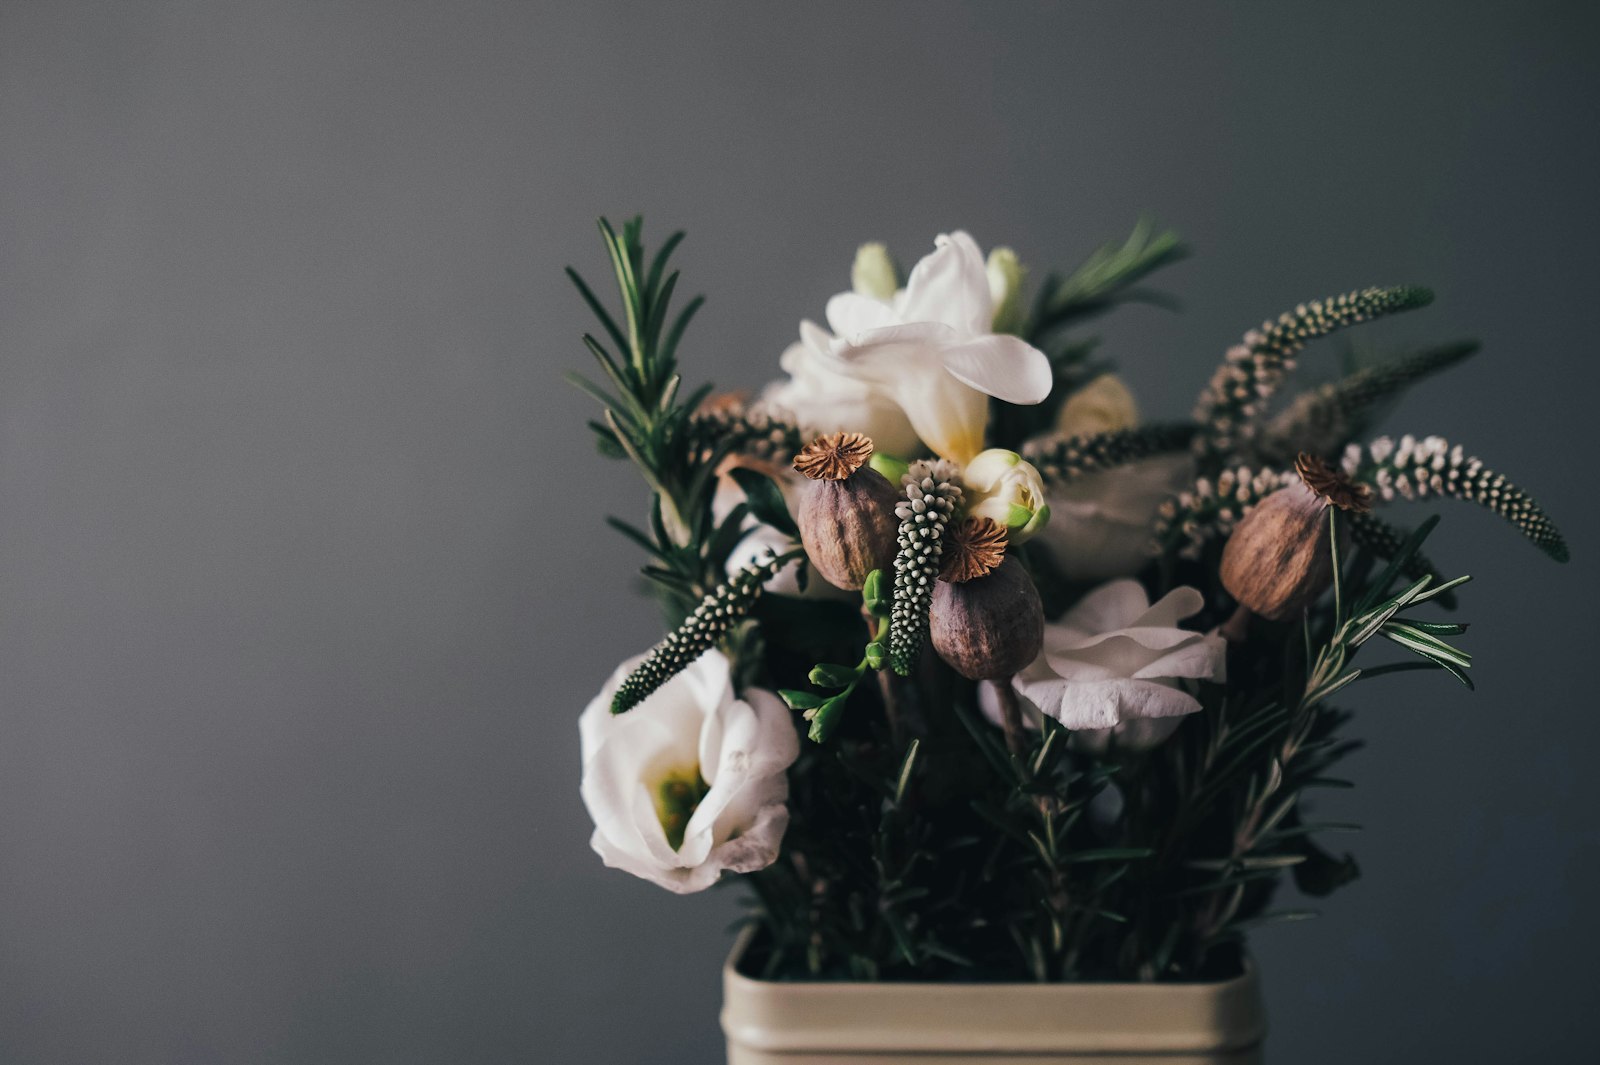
point(770, 1023)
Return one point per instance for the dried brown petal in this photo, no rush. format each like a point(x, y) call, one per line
point(834, 458)
point(972, 549)
point(1333, 485)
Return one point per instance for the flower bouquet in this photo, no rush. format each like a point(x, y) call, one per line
point(972, 677)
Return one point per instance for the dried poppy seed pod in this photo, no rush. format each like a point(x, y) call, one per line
point(846, 513)
point(990, 627)
point(1279, 560)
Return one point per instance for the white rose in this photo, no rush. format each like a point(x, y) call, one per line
point(929, 351)
point(1114, 659)
point(1103, 405)
point(1100, 525)
point(691, 782)
point(1001, 486)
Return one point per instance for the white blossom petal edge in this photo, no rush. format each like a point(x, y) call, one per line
point(929, 351)
point(1114, 657)
point(693, 755)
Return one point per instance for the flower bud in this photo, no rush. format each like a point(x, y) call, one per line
point(1005, 489)
point(991, 627)
point(1104, 405)
point(1279, 559)
point(873, 273)
point(1006, 274)
point(846, 514)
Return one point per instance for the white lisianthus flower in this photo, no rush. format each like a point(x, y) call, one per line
point(1100, 524)
point(691, 782)
point(1001, 486)
point(928, 352)
point(1114, 659)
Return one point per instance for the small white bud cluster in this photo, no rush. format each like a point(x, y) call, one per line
point(1211, 509)
point(755, 430)
point(1061, 459)
point(1251, 370)
point(933, 491)
point(1415, 469)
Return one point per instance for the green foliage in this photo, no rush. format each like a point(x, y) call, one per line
point(1110, 277)
point(1323, 420)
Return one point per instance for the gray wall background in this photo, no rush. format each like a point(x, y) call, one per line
point(302, 577)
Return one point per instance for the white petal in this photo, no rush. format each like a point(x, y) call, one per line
point(1002, 366)
point(1182, 602)
point(1112, 606)
point(950, 285)
point(850, 314)
point(1200, 658)
point(948, 416)
point(1103, 704)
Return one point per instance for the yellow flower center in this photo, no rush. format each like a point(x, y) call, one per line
point(677, 796)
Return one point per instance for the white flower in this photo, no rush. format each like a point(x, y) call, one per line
point(691, 782)
point(1000, 486)
point(1100, 524)
point(928, 353)
point(820, 400)
point(1103, 405)
point(1114, 658)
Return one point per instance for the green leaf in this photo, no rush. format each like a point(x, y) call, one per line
point(872, 596)
point(1109, 854)
point(765, 499)
point(799, 700)
point(831, 675)
point(827, 717)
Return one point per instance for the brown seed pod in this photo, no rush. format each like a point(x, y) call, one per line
point(1279, 559)
point(848, 527)
point(990, 627)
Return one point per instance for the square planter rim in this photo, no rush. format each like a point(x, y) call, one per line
point(802, 1017)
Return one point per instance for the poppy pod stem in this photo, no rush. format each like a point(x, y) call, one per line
point(1011, 717)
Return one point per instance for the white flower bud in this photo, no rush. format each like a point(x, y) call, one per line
point(1002, 486)
point(1006, 274)
point(873, 273)
point(1104, 405)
